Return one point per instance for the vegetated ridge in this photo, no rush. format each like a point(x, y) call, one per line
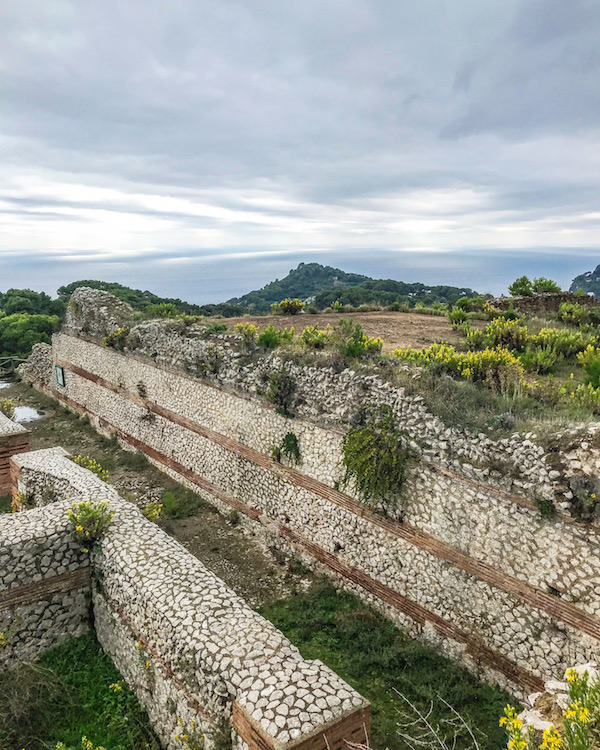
point(587, 282)
point(303, 282)
point(324, 285)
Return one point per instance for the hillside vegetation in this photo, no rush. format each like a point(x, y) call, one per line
point(588, 282)
point(305, 281)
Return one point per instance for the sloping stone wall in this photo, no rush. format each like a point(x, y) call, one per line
point(470, 567)
point(198, 658)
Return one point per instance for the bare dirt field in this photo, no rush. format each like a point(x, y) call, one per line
point(395, 328)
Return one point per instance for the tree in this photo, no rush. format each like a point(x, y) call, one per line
point(545, 285)
point(522, 287)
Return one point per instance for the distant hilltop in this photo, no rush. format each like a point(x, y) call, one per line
point(588, 282)
point(323, 285)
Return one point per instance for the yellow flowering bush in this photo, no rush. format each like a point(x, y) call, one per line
point(314, 338)
point(7, 407)
point(580, 726)
point(248, 333)
point(480, 366)
point(287, 307)
point(508, 334)
point(190, 736)
point(90, 519)
point(19, 502)
point(92, 465)
point(117, 339)
point(152, 510)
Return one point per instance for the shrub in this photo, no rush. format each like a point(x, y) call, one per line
point(90, 520)
point(541, 360)
point(92, 465)
point(579, 727)
point(248, 332)
point(498, 367)
point(314, 338)
point(457, 317)
point(572, 314)
point(521, 287)
point(586, 396)
point(510, 312)
point(376, 454)
point(152, 510)
point(543, 284)
point(117, 339)
point(566, 343)
point(271, 337)
point(161, 310)
point(352, 342)
point(470, 304)
point(590, 361)
point(7, 407)
point(214, 329)
point(474, 336)
point(508, 334)
point(287, 307)
point(180, 503)
point(281, 391)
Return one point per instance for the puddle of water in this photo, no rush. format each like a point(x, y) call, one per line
point(3, 384)
point(25, 414)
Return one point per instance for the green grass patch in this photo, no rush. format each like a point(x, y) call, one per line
point(381, 662)
point(5, 506)
point(66, 694)
point(179, 502)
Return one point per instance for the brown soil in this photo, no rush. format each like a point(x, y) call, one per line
point(224, 548)
point(396, 329)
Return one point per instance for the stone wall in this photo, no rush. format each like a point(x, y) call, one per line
point(44, 583)
point(546, 303)
point(470, 567)
point(197, 657)
point(14, 438)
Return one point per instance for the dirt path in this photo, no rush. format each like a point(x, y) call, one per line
point(222, 546)
point(396, 329)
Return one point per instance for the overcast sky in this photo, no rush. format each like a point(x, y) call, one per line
point(201, 149)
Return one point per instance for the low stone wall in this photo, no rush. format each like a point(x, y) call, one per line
point(14, 438)
point(198, 658)
point(44, 583)
point(546, 303)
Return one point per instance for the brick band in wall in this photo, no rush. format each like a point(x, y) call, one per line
point(20, 596)
point(561, 610)
point(384, 593)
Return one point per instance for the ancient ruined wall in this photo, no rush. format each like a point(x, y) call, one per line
point(44, 583)
point(469, 566)
point(198, 658)
point(14, 438)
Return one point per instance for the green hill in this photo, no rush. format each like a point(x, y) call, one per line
point(388, 291)
point(303, 282)
point(587, 282)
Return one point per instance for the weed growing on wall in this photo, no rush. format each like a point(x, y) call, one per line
point(288, 448)
point(90, 520)
point(281, 391)
point(91, 465)
point(248, 332)
point(376, 456)
point(117, 339)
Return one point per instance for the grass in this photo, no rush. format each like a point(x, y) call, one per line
point(179, 502)
point(5, 504)
point(66, 695)
point(381, 662)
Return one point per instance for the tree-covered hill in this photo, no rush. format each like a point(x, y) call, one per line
point(303, 282)
point(588, 282)
point(388, 292)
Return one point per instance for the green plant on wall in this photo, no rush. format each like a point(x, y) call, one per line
point(281, 391)
point(89, 520)
point(288, 448)
point(376, 455)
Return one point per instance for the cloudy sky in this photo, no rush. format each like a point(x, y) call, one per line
point(202, 148)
